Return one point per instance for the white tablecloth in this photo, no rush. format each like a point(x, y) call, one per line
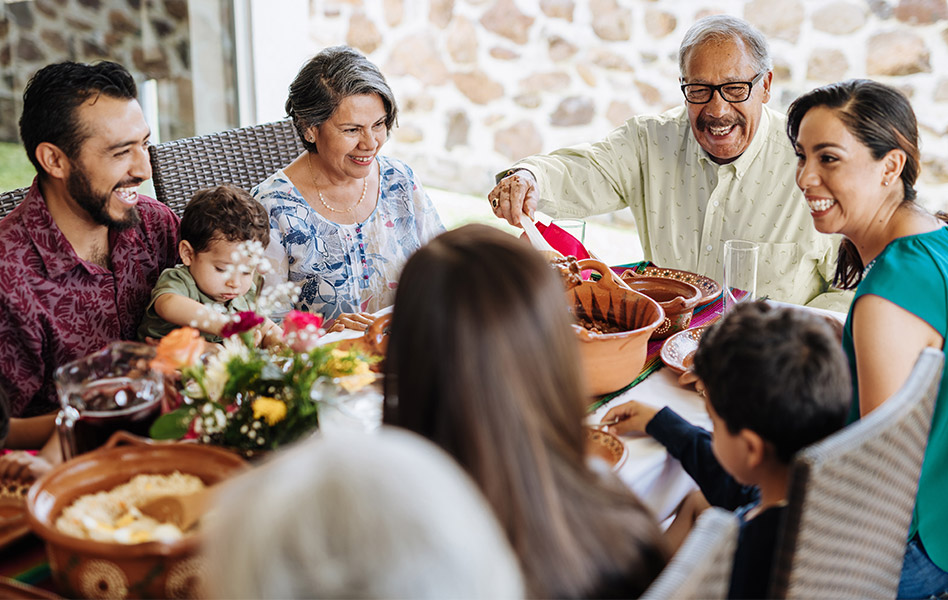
point(648, 470)
point(657, 478)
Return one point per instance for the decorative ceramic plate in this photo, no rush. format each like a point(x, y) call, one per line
point(13, 523)
point(678, 351)
point(606, 446)
point(710, 289)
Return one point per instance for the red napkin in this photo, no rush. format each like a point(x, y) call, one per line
point(562, 241)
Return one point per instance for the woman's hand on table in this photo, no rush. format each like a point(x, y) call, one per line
point(514, 195)
point(356, 321)
point(632, 417)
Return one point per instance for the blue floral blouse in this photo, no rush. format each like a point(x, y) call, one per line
point(347, 268)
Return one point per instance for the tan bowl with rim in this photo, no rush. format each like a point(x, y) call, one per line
point(612, 361)
point(677, 298)
point(85, 568)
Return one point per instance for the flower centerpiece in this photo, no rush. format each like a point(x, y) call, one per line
point(250, 398)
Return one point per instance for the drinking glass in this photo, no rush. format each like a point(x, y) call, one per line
point(575, 227)
point(740, 272)
point(111, 390)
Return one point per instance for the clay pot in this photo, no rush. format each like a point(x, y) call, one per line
point(612, 361)
point(677, 298)
point(92, 569)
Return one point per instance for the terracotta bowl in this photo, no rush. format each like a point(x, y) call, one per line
point(606, 447)
point(612, 361)
point(92, 569)
point(677, 298)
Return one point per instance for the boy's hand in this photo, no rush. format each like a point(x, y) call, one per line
point(633, 417)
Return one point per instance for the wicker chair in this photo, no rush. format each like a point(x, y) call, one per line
point(702, 566)
point(243, 157)
point(851, 498)
point(10, 200)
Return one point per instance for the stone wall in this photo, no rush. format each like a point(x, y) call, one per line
point(152, 41)
point(483, 82)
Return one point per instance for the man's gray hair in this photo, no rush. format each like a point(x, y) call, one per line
point(719, 28)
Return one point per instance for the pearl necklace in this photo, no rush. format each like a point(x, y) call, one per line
point(365, 185)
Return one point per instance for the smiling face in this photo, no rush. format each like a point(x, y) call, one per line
point(725, 129)
point(837, 173)
point(222, 270)
point(112, 161)
point(350, 139)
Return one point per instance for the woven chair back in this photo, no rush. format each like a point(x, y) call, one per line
point(702, 566)
point(10, 200)
point(851, 498)
point(243, 157)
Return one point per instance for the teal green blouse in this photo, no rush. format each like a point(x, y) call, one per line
point(912, 272)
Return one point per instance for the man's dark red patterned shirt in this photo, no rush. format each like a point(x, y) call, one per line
point(56, 307)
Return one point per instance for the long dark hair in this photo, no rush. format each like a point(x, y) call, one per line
point(483, 361)
point(880, 117)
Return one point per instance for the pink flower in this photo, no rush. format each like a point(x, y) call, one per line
point(301, 330)
point(243, 321)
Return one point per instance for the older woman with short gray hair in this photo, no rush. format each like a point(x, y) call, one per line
point(344, 218)
point(355, 515)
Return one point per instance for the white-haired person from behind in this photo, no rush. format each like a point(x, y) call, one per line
point(353, 515)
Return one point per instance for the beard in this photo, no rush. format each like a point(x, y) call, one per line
point(97, 205)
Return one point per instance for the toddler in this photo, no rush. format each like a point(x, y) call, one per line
point(775, 381)
point(219, 231)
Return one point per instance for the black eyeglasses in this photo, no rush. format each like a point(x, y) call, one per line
point(734, 91)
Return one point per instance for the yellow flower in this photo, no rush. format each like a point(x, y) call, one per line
point(271, 409)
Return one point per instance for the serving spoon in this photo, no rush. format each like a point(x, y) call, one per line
point(181, 510)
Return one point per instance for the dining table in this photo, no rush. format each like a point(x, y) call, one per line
point(645, 467)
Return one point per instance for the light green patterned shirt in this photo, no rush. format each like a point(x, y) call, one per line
point(686, 206)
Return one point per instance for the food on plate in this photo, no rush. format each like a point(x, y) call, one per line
point(113, 516)
point(568, 270)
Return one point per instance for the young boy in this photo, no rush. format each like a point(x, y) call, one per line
point(775, 380)
point(218, 278)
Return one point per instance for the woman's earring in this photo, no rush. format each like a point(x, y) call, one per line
point(885, 182)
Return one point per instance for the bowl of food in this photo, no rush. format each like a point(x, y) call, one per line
point(605, 446)
point(84, 510)
point(614, 324)
point(710, 289)
point(677, 298)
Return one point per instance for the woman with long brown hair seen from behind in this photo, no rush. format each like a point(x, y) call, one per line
point(483, 361)
point(857, 143)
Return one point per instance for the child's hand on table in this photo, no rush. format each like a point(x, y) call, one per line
point(632, 417)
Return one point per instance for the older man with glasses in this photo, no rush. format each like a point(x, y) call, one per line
point(718, 168)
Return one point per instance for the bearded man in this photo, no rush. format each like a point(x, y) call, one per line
point(82, 251)
point(718, 168)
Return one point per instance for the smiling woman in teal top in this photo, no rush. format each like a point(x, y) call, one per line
point(857, 145)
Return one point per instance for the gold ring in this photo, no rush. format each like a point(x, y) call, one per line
point(495, 203)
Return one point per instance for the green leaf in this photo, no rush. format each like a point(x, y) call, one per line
point(173, 425)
